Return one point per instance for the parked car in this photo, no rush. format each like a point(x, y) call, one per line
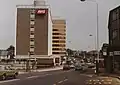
point(66, 67)
point(6, 71)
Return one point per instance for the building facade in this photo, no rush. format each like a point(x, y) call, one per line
point(34, 29)
point(59, 36)
point(114, 27)
point(113, 50)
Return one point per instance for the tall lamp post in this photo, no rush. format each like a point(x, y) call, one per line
point(97, 41)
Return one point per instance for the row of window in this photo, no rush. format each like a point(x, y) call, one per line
point(58, 49)
point(58, 33)
point(59, 30)
point(58, 45)
point(58, 52)
point(57, 41)
point(59, 37)
point(32, 29)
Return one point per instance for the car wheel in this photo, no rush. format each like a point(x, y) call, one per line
point(3, 77)
point(15, 76)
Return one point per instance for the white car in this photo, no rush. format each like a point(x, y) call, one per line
point(90, 65)
point(72, 66)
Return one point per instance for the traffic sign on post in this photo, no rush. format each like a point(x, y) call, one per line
point(116, 52)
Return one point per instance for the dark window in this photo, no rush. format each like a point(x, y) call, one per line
point(56, 37)
point(55, 30)
point(32, 39)
point(62, 45)
point(31, 46)
point(31, 32)
point(56, 49)
point(32, 20)
point(55, 45)
point(56, 41)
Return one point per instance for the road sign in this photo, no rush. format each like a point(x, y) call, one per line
point(104, 53)
point(116, 52)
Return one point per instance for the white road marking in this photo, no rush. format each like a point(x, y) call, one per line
point(47, 74)
point(60, 82)
point(65, 80)
point(54, 84)
point(9, 80)
point(86, 75)
point(32, 77)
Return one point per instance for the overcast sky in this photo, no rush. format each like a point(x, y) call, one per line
point(80, 17)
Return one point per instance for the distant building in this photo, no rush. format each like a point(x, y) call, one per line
point(59, 36)
point(34, 29)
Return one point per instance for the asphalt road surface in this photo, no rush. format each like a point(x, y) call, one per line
point(60, 77)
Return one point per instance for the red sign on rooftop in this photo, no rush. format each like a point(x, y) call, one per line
point(41, 11)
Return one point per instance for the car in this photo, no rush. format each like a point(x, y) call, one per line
point(6, 71)
point(66, 67)
point(78, 67)
point(72, 66)
point(84, 67)
point(90, 65)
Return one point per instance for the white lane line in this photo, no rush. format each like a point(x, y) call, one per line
point(9, 80)
point(65, 80)
point(86, 75)
point(60, 82)
point(54, 84)
point(47, 74)
point(32, 77)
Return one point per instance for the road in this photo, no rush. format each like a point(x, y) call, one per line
point(59, 77)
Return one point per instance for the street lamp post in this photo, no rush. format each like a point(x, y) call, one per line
point(97, 41)
point(94, 43)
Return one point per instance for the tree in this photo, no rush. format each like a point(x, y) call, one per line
point(69, 52)
point(11, 51)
